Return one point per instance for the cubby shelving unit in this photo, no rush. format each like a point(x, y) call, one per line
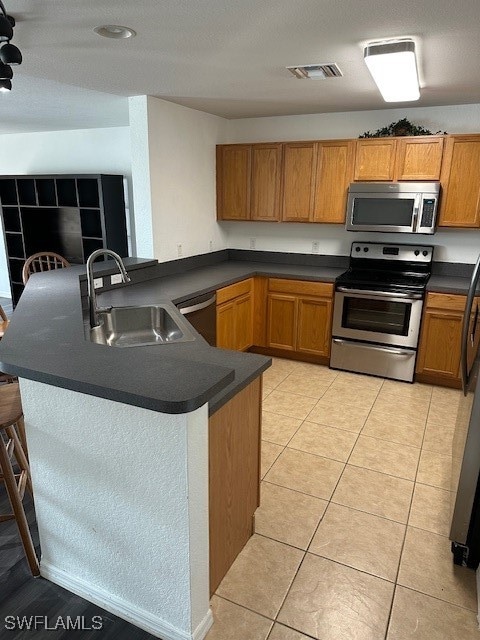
point(70, 215)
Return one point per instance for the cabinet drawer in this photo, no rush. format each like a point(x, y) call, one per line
point(446, 301)
point(234, 290)
point(301, 287)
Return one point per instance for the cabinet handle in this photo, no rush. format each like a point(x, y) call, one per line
point(393, 350)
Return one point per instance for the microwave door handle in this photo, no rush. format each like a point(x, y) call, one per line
point(416, 210)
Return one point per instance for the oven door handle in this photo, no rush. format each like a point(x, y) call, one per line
point(382, 294)
point(374, 347)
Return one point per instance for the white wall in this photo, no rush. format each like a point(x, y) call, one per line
point(125, 527)
point(451, 245)
point(79, 151)
point(141, 191)
point(181, 147)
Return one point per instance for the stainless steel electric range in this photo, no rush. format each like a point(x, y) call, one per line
point(378, 309)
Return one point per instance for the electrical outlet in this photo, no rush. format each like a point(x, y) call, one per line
point(179, 250)
point(116, 278)
point(97, 283)
point(253, 243)
point(210, 245)
point(315, 247)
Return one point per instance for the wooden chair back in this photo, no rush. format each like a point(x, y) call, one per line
point(3, 322)
point(43, 261)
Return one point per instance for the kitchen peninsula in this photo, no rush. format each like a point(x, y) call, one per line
point(118, 438)
point(119, 448)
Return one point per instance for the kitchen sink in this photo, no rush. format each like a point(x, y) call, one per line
point(139, 326)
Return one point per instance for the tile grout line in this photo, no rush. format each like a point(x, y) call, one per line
point(303, 551)
point(406, 526)
point(316, 528)
point(329, 501)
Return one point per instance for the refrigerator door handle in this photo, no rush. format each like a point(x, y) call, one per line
point(467, 334)
point(474, 329)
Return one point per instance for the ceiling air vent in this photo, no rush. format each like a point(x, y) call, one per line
point(316, 71)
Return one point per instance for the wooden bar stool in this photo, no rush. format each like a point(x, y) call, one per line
point(10, 415)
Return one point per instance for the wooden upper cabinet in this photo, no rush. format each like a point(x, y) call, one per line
point(419, 158)
point(298, 181)
point(334, 173)
point(375, 159)
point(233, 181)
point(266, 181)
point(460, 204)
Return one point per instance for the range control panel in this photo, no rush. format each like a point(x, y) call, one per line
point(403, 252)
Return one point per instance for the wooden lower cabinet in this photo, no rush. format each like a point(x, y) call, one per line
point(235, 316)
point(234, 477)
point(314, 322)
point(282, 321)
point(226, 325)
point(299, 316)
point(438, 359)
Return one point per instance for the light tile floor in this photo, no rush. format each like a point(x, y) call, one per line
point(351, 536)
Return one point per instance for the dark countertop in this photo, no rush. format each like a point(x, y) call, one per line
point(46, 342)
point(448, 284)
point(181, 287)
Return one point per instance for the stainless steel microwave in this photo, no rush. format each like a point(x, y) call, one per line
point(405, 207)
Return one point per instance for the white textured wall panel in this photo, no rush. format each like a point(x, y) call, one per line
point(121, 496)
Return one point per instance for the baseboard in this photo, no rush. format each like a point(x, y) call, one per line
point(430, 378)
point(204, 626)
point(123, 609)
point(291, 355)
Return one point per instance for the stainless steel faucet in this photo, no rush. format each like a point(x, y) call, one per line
point(92, 296)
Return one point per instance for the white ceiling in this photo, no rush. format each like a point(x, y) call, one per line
point(227, 57)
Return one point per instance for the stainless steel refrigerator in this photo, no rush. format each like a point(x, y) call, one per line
point(465, 486)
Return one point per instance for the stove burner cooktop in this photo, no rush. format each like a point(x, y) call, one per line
point(387, 267)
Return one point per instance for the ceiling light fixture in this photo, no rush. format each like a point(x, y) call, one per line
point(6, 72)
point(9, 53)
point(393, 67)
point(115, 31)
point(5, 85)
point(6, 30)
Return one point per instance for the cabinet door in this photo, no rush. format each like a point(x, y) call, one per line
point(244, 322)
point(234, 477)
point(314, 326)
point(282, 321)
point(460, 204)
point(233, 182)
point(333, 175)
point(375, 159)
point(298, 181)
point(419, 158)
point(440, 340)
point(266, 176)
point(226, 325)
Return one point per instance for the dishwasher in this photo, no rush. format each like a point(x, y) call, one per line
point(201, 312)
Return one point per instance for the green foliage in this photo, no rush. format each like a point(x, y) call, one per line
point(401, 128)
